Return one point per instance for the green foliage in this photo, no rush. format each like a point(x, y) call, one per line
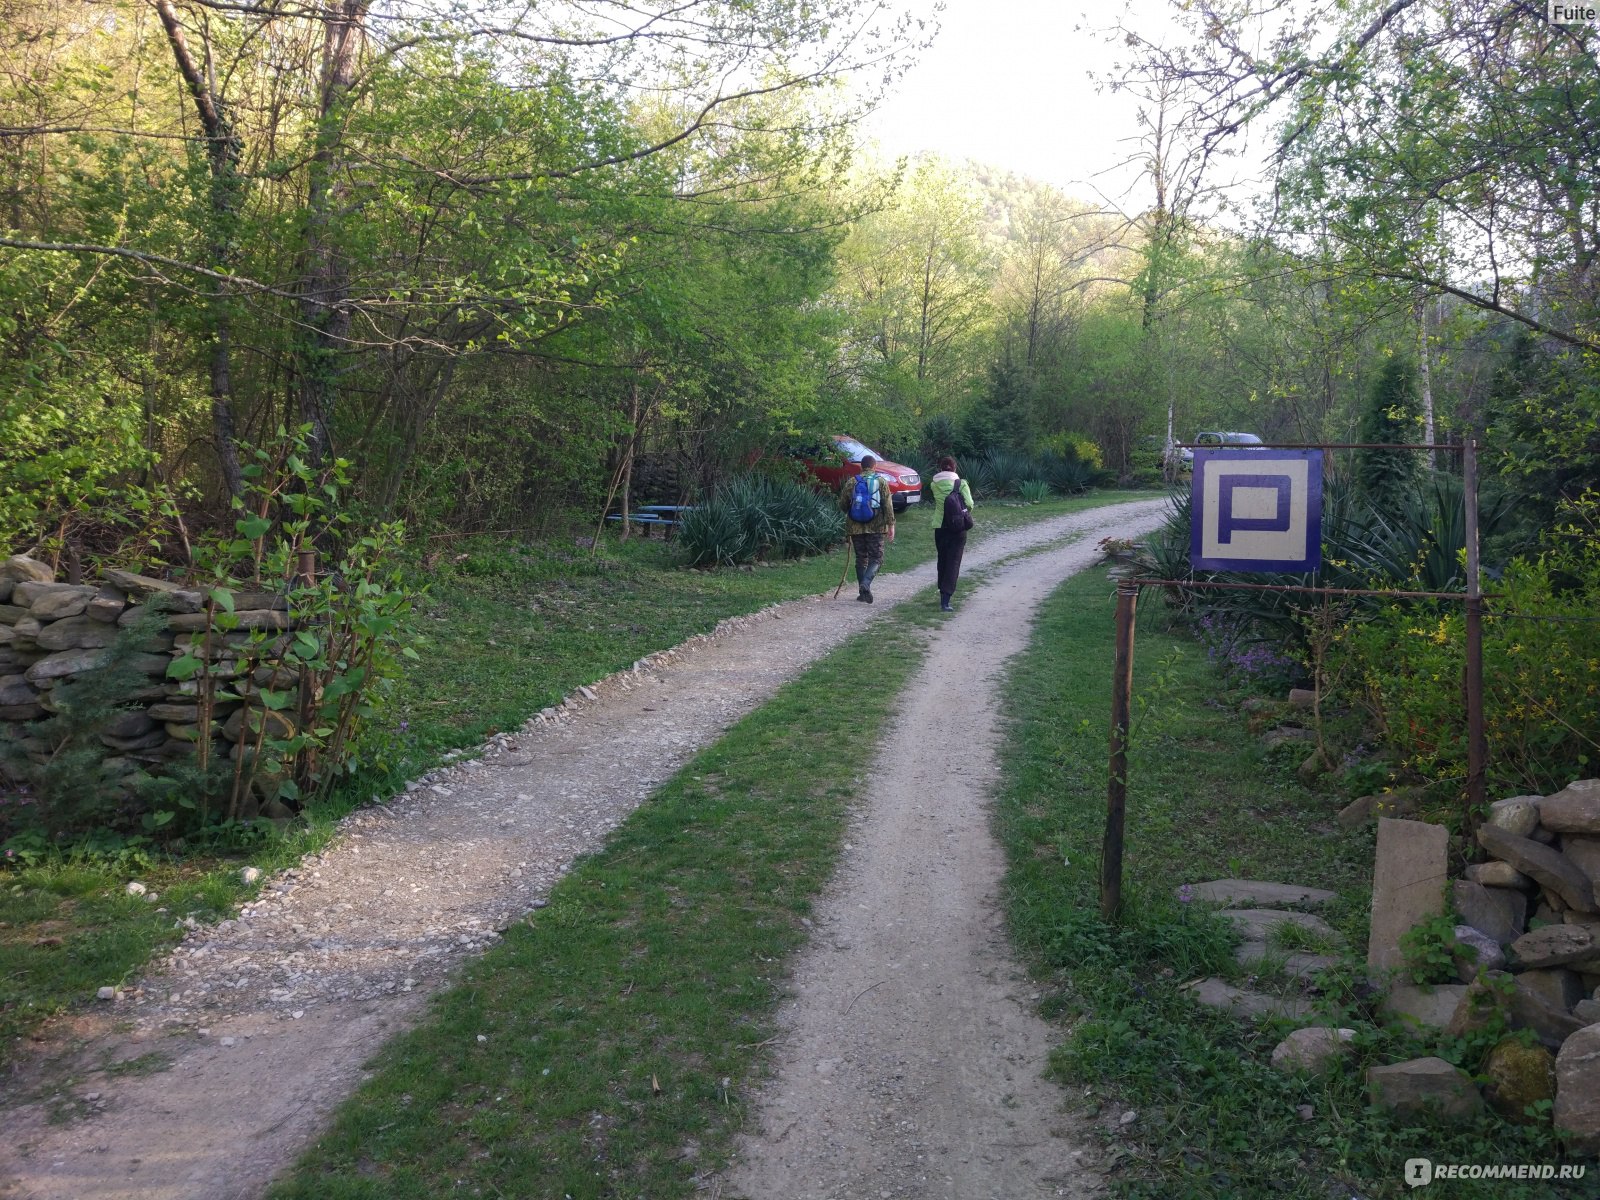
point(756, 517)
point(1541, 673)
point(1033, 490)
point(70, 426)
point(306, 694)
point(1429, 948)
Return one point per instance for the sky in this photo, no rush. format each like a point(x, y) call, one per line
point(1007, 82)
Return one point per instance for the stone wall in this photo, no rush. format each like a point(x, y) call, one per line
point(52, 633)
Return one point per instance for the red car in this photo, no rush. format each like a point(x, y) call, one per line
point(844, 460)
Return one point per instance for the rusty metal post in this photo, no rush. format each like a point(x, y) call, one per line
point(1477, 742)
point(306, 570)
point(1117, 788)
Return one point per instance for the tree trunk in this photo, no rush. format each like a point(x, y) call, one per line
point(222, 152)
point(325, 290)
point(1425, 376)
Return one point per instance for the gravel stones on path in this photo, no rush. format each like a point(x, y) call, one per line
point(268, 1018)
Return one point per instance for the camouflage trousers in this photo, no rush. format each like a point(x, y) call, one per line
point(869, 556)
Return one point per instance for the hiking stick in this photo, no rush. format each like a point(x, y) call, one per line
point(844, 574)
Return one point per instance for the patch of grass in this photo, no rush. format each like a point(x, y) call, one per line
point(146, 1064)
point(607, 1046)
point(68, 926)
point(1216, 1122)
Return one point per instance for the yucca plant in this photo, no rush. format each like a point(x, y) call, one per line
point(1004, 472)
point(1067, 475)
point(1033, 490)
point(756, 517)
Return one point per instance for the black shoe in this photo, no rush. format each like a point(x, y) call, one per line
point(944, 606)
point(867, 596)
point(862, 596)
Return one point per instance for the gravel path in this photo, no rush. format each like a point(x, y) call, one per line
point(910, 1061)
point(267, 1019)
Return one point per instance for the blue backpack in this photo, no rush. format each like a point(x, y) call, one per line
point(864, 500)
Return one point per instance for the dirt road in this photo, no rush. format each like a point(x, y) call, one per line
point(910, 1066)
point(245, 1037)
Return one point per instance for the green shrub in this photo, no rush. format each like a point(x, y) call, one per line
point(1033, 490)
point(754, 517)
point(1541, 678)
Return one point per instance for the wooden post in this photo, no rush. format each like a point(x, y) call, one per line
point(1117, 788)
point(1477, 742)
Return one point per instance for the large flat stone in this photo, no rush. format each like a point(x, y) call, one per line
point(76, 633)
point(258, 618)
point(1574, 809)
point(1548, 866)
point(1584, 851)
point(73, 662)
point(1555, 946)
point(1502, 913)
point(1258, 924)
point(1302, 967)
point(1424, 1087)
point(1577, 1113)
point(59, 601)
point(1241, 1002)
point(1430, 1008)
point(1258, 893)
point(1408, 880)
point(1542, 1002)
point(19, 568)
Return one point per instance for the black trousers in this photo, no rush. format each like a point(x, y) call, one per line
point(951, 544)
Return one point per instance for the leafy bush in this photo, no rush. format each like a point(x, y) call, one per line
point(1541, 679)
point(755, 517)
point(305, 695)
point(1248, 655)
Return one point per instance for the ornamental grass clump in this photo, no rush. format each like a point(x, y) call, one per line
point(757, 518)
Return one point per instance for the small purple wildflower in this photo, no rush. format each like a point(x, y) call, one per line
point(1185, 894)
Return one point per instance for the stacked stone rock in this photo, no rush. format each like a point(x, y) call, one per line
point(1527, 952)
point(1531, 910)
point(51, 633)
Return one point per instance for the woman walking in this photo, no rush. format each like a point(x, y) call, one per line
point(952, 517)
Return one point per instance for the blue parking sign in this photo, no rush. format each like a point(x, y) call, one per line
point(1256, 510)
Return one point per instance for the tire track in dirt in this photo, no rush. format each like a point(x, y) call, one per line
point(267, 1020)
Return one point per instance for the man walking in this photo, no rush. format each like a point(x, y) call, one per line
point(870, 512)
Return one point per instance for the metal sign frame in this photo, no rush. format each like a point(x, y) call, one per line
point(1122, 674)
